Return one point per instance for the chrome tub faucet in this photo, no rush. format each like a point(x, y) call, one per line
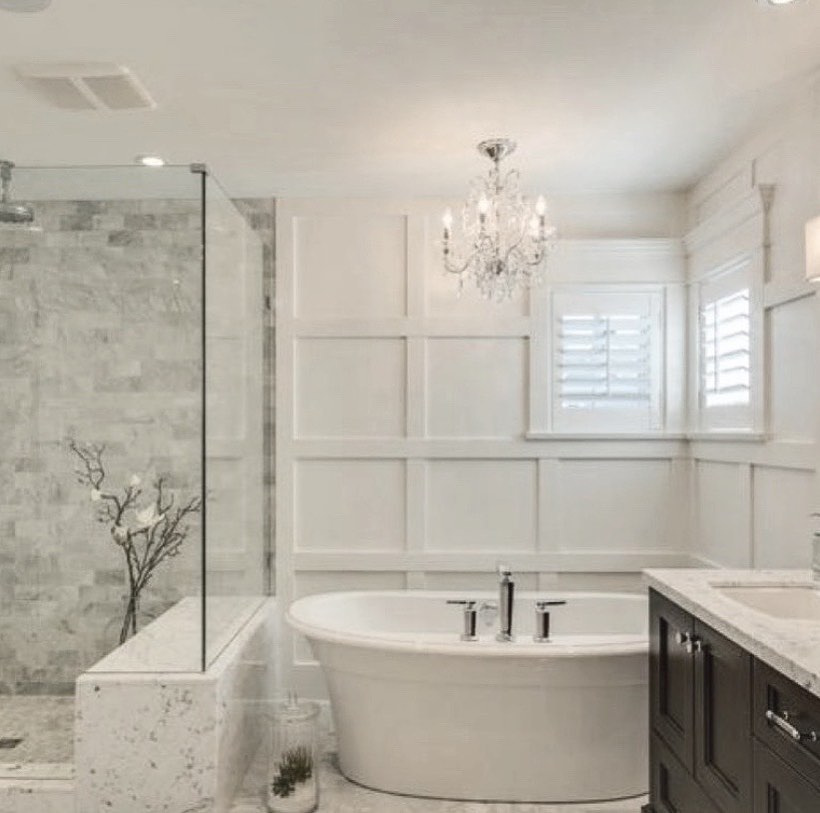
point(506, 591)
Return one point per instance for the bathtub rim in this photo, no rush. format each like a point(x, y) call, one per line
point(487, 647)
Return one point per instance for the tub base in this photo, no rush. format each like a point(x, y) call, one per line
point(573, 731)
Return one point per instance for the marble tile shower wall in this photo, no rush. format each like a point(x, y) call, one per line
point(261, 215)
point(99, 341)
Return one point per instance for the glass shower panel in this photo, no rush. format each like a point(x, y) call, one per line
point(235, 572)
point(101, 403)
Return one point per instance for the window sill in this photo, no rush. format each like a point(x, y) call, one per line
point(718, 436)
point(723, 436)
point(599, 436)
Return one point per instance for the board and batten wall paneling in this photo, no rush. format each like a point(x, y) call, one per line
point(402, 413)
point(752, 499)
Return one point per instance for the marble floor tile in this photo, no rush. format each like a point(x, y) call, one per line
point(44, 723)
point(338, 795)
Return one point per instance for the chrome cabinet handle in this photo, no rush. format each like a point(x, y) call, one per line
point(782, 722)
point(686, 640)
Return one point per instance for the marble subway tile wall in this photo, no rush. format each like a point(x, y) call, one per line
point(99, 341)
point(261, 216)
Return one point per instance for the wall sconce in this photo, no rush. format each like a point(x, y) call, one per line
point(813, 250)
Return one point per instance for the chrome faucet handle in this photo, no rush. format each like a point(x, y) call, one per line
point(470, 618)
point(542, 619)
point(503, 569)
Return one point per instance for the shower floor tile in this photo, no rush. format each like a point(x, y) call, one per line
point(45, 726)
point(338, 795)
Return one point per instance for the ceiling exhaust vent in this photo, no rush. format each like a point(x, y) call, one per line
point(86, 86)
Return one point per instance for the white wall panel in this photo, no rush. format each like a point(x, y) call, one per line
point(476, 581)
point(722, 495)
point(617, 505)
point(355, 505)
point(476, 387)
point(794, 382)
point(350, 387)
point(782, 526)
point(350, 266)
point(480, 505)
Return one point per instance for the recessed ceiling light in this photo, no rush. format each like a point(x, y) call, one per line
point(774, 2)
point(150, 160)
point(24, 5)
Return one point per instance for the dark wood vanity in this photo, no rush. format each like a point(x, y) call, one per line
point(728, 734)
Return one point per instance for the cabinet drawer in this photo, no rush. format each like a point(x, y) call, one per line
point(671, 788)
point(779, 788)
point(796, 707)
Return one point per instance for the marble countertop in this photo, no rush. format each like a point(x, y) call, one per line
point(790, 646)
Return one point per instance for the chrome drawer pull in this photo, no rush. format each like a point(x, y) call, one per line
point(782, 722)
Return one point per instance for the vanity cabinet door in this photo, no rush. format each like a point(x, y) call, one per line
point(671, 677)
point(779, 788)
point(723, 720)
point(671, 787)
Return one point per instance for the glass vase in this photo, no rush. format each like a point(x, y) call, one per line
point(293, 782)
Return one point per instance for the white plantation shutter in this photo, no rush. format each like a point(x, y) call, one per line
point(729, 347)
point(726, 350)
point(606, 362)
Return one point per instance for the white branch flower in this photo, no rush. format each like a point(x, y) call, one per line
point(148, 517)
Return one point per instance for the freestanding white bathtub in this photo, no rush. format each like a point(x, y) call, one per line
point(420, 712)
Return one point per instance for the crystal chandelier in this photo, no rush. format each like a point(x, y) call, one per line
point(503, 238)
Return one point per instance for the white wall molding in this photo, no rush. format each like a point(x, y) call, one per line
point(591, 561)
point(782, 292)
point(411, 327)
point(571, 448)
point(753, 207)
point(796, 455)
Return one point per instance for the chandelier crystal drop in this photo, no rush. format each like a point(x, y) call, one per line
point(502, 238)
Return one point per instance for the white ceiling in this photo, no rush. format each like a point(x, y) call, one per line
point(304, 97)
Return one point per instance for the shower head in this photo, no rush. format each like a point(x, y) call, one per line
point(10, 212)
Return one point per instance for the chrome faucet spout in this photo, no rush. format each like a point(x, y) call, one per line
point(506, 591)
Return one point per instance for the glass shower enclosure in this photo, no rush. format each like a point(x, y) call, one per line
point(131, 450)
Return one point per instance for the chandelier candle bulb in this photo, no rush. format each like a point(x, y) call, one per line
point(447, 220)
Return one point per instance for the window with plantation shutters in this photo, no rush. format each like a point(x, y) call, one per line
point(728, 347)
point(726, 350)
point(606, 361)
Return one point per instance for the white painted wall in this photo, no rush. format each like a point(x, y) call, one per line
point(752, 498)
point(403, 412)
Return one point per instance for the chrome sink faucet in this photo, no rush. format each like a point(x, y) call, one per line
point(506, 590)
point(815, 550)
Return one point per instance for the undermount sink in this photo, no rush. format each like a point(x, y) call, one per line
point(797, 602)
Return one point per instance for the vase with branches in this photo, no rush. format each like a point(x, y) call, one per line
point(148, 528)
